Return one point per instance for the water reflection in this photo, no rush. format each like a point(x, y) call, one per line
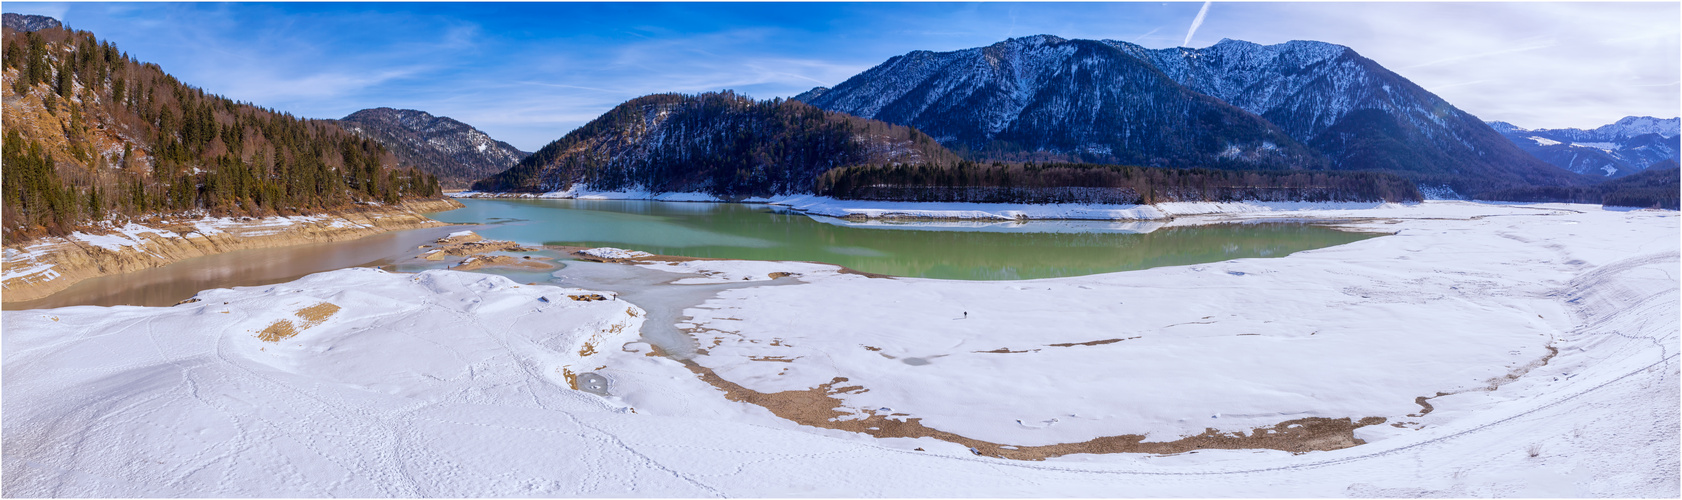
point(971, 250)
point(975, 250)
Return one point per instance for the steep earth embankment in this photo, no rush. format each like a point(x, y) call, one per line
point(44, 266)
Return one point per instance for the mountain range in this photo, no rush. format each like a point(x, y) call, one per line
point(454, 151)
point(1632, 144)
point(721, 143)
point(1296, 105)
point(1300, 106)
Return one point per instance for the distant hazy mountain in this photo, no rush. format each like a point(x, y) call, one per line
point(1633, 144)
point(720, 143)
point(27, 23)
point(1236, 104)
point(454, 151)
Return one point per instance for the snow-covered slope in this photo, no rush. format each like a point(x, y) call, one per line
point(1553, 329)
point(28, 23)
point(454, 151)
point(1630, 145)
point(1114, 101)
point(1078, 99)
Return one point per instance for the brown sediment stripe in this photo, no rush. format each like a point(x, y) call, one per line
point(1095, 342)
point(1494, 383)
point(818, 407)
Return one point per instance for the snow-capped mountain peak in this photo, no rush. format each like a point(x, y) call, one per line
point(1628, 146)
point(1113, 101)
point(1631, 126)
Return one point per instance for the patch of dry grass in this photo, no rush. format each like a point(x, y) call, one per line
point(308, 316)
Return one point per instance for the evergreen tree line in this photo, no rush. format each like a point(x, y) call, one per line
point(998, 182)
point(136, 141)
point(721, 143)
point(1660, 186)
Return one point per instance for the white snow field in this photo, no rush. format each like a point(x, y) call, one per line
point(1550, 331)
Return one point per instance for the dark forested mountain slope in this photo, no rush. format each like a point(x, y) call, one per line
point(1614, 150)
point(720, 143)
point(1320, 105)
point(1062, 99)
point(91, 133)
point(454, 151)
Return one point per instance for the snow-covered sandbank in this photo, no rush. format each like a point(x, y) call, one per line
point(453, 384)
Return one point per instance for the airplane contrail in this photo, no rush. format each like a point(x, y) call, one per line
point(1195, 23)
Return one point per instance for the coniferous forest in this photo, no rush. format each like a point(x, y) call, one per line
point(720, 143)
point(93, 135)
point(997, 182)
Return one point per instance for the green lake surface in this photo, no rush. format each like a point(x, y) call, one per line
point(946, 250)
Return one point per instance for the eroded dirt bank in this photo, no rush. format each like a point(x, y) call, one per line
point(45, 266)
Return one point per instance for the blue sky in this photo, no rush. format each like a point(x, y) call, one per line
point(529, 72)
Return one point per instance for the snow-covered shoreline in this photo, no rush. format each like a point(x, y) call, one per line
point(47, 265)
point(1553, 329)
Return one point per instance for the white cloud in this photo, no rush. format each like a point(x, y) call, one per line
point(1198, 21)
point(1537, 65)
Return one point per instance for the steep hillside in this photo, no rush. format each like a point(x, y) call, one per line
point(1358, 113)
point(719, 143)
point(454, 151)
point(92, 134)
point(1631, 145)
point(1310, 104)
point(1054, 98)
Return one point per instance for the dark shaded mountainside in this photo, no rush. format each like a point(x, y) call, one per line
point(1659, 186)
point(454, 151)
point(93, 135)
point(1610, 151)
point(732, 146)
point(720, 143)
point(1235, 105)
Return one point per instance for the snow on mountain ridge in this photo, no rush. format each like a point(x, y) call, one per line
point(1631, 126)
point(455, 151)
point(1041, 94)
point(1628, 146)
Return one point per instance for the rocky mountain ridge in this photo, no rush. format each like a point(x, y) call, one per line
point(456, 152)
point(26, 23)
point(1630, 145)
point(1296, 105)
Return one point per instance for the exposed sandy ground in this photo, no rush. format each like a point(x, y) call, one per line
point(44, 266)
